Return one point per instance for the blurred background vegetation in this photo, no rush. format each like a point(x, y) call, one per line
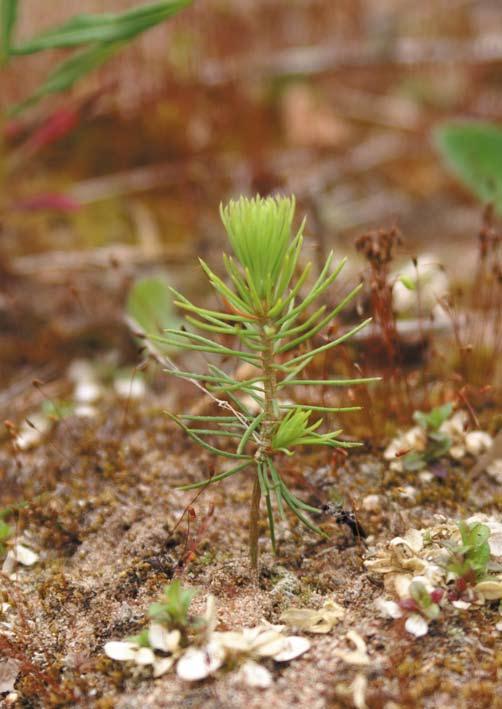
point(121, 176)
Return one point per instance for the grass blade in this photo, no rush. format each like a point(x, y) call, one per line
point(8, 17)
point(69, 71)
point(104, 28)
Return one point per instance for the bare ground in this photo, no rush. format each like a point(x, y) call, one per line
point(104, 518)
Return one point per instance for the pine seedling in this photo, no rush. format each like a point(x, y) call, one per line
point(264, 322)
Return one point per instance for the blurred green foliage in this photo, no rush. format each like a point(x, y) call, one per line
point(150, 308)
point(473, 152)
point(99, 36)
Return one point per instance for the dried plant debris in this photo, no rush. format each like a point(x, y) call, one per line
point(199, 651)
point(314, 621)
point(438, 433)
point(32, 431)
point(426, 570)
point(356, 691)
point(357, 656)
point(9, 670)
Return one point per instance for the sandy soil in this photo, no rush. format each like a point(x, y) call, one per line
point(103, 521)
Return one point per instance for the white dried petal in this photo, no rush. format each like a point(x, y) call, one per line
point(372, 503)
point(359, 687)
point(273, 626)
point(434, 575)
point(162, 639)
point(425, 476)
point(490, 590)
point(30, 434)
point(426, 274)
point(25, 556)
point(461, 605)
point(457, 452)
point(162, 665)
point(380, 565)
point(413, 539)
point(332, 609)
point(250, 634)
point(359, 656)
point(268, 644)
point(27, 438)
point(294, 646)
point(9, 563)
point(455, 425)
point(9, 670)
point(198, 663)
point(85, 411)
point(144, 656)
point(392, 449)
point(415, 438)
point(425, 582)
point(495, 544)
point(121, 650)
point(408, 492)
point(478, 442)
point(402, 585)
point(388, 609)
point(210, 616)
point(494, 470)
point(254, 675)
point(130, 387)
point(416, 625)
point(80, 370)
point(233, 641)
point(87, 392)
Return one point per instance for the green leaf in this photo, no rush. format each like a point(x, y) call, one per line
point(420, 594)
point(473, 152)
point(8, 17)
point(56, 409)
point(103, 34)
point(318, 326)
point(438, 444)
point(104, 28)
point(414, 461)
point(408, 282)
point(173, 609)
point(69, 71)
point(142, 639)
point(6, 531)
point(473, 555)
point(434, 419)
point(475, 535)
point(292, 429)
point(150, 308)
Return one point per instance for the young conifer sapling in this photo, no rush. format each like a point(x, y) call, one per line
point(266, 313)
